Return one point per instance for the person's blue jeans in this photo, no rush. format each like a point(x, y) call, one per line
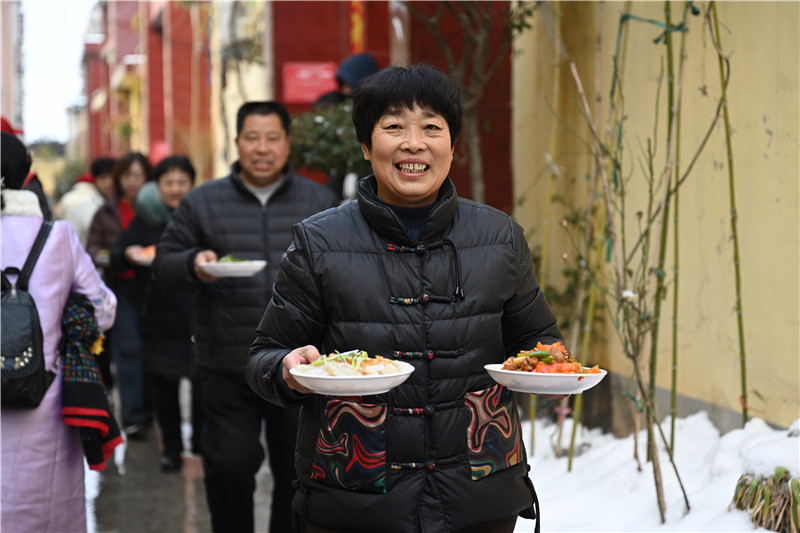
point(125, 346)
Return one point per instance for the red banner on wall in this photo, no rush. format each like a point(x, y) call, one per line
point(303, 83)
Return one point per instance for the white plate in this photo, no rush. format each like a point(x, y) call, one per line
point(238, 269)
point(353, 385)
point(541, 383)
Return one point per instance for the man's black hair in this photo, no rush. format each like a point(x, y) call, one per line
point(102, 165)
point(174, 162)
point(263, 108)
point(397, 87)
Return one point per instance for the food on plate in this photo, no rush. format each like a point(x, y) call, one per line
point(352, 363)
point(230, 258)
point(548, 359)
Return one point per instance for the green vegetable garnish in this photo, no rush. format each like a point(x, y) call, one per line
point(541, 355)
point(230, 259)
point(352, 358)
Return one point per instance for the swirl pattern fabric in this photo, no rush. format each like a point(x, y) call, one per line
point(351, 448)
point(493, 434)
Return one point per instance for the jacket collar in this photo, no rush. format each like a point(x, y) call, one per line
point(237, 178)
point(384, 221)
point(21, 203)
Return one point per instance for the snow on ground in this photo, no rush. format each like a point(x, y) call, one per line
point(605, 491)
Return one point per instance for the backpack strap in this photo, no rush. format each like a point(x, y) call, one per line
point(33, 256)
point(7, 284)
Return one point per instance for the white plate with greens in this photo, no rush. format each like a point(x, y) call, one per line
point(233, 269)
point(316, 377)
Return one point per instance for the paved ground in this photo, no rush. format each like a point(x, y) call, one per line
point(133, 496)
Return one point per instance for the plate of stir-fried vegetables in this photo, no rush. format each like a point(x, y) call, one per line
point(546, 369)
point(352, 373)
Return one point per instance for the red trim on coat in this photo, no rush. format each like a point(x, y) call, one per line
point(84, 423)
point(84, 411)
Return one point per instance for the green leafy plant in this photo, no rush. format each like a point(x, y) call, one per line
point(325, 140)
point(773, 502)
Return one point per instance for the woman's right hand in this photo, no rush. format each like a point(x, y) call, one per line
point(299, 356)
point(132, 251)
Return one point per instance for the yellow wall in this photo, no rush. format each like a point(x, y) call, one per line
point(761, 40)
point(48, 169)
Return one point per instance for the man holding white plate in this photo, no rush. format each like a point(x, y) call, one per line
point(409, 272)
point(246, 218)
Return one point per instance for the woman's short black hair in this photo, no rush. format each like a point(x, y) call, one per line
point(16, 161)
point(174, 162)
point(396, 87)
point(125, 163)
point(263, 108)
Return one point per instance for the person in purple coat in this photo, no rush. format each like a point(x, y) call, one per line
point(42, 457)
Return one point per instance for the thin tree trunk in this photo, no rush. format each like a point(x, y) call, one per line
point(657, 286)
point(473, 136)
point(676, 262)
point(587, 320)
point(734, 228)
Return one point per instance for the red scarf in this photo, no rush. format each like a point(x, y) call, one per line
point(126, 214)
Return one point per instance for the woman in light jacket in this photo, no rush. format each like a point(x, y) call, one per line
point(42, 457)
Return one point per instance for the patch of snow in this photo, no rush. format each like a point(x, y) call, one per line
point(606, 490)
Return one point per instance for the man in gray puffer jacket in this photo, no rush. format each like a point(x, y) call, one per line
point(411, 272)
point(249, 215)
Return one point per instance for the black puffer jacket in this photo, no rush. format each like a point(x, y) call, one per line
point(164, 319)
point(224, 216)
point(443, 450)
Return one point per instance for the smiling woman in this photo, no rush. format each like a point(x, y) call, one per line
point(411, 154)
point(52, 63)
point(414, 273)
point(409, 137)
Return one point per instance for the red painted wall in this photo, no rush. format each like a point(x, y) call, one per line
point(184, 80)
point(495, 111)
point(96, 81)
point(314, 31)
point(319, 31)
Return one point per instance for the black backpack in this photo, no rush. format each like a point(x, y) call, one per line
point(24, 376)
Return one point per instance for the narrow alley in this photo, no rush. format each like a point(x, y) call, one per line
point(132, 495)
